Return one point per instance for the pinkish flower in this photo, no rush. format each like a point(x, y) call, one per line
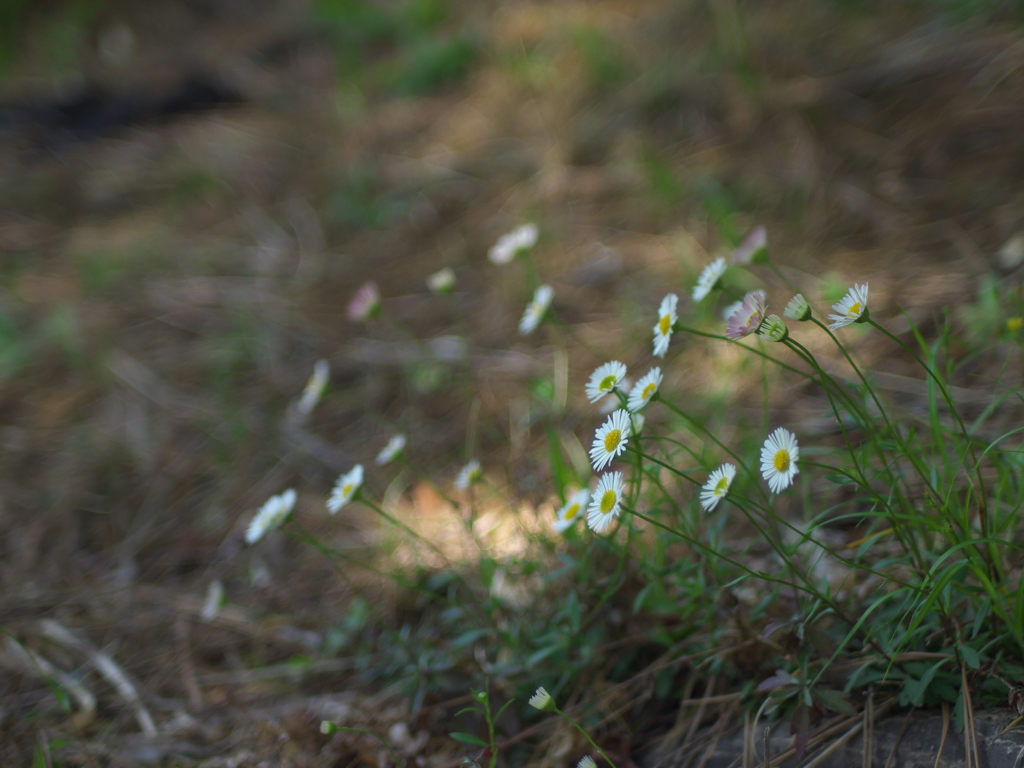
point(753, 249)
point(365, 304)
point(747, 319)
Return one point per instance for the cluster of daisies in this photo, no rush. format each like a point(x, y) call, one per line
point(780, 451)
point(603, 505)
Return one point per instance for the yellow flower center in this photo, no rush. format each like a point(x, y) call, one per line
point(664, 325)
point(649, 391)
point(612, 440)
point(346, 489)
point(721, 486)
point(607, 384)
point(571, 512)
point(854, 310)
point(1014, 324)
point(781, 460)
point(608, 501)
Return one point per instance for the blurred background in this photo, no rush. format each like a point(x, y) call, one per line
point(191, 191)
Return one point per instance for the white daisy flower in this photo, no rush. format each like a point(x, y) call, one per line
point(709, 278)
point(778, 459)
point(606, 501)
point(609, 404)
point(610, 439)
point(586, 762)
point(390, 451)
point(571, 511)
point(747, 319)
point(644, 390)
point(542, 700)
point(731, 310)
point(604, 380)
point(274, 511)
point(798, 309)
point(535, 309)
point(314, 388)
point(666, 321)
point(773, 329)
point(345, 488)
point(441, 281)
point(471, 474)
point(717, 486)
point(512, 244)
point(852, 309)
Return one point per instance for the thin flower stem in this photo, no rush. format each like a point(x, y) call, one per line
point(791, 564)
point(717, 554)
point(910, 544)
point(782, 277)
point(729, 292)
point(707, 433)
point(660, 463)
point(904, 450)
point(754, 350)
point(332, 554)
point(980, 490)
point(586, 736)
point(359, 496)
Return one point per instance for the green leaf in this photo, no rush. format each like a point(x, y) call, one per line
point(560, 472)
point(838, 479)
point(837, 701)
point(468, 738)
point(970, 656)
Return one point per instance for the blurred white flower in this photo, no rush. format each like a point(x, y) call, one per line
point(442, 281)
point(644, 390)
point(345, 488)
point(535, 309)
point(314, 388)
point(271, 515)
point(717, 486)
point(604, 380)
point(471, 474)
point(512, 244)
point(571, 511)
point(709, 278)
point(666, 321)
point(390, 451)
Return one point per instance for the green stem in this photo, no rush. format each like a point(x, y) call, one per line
point(586, 736)
point(706, 432)
point(979, 491)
